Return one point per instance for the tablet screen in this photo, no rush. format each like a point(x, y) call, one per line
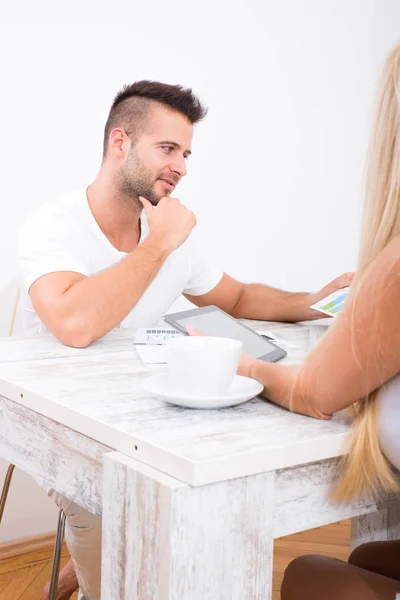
point(217, 323)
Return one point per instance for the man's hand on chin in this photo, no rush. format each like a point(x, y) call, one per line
point(337, 284)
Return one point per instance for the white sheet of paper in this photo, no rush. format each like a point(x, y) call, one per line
point(152, 355)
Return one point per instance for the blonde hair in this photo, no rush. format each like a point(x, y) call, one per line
point(365, 469)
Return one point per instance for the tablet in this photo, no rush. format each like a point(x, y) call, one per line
point(216, 322)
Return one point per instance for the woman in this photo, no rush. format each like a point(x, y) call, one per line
point(357, 364)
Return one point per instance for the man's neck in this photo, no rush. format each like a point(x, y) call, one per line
point(117, 216)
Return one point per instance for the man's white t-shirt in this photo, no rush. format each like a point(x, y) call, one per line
point(63, 235)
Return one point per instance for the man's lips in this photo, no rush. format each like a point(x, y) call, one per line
point(170, 182)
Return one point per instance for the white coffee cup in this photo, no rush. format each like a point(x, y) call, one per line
point(203, 365)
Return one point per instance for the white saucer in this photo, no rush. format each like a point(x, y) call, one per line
point(241, 390)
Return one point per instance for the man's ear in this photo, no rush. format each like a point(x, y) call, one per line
point(119, 142)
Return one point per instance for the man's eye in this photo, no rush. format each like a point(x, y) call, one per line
point(167, 149)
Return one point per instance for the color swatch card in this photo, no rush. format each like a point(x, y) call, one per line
point(332, 304)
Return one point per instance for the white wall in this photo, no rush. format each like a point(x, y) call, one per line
point(275, 177)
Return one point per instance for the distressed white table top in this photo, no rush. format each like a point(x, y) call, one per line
point(98, 392)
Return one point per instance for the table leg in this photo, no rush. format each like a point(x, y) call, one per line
point(166, 540)
point(381, 525)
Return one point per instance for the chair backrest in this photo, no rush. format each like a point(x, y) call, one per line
point(9, 308)
point(15, 309)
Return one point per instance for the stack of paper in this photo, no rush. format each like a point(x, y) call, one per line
point(150, 344)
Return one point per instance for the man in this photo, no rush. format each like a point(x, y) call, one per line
point(95, 260)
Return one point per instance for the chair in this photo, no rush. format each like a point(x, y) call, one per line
point(55, 569)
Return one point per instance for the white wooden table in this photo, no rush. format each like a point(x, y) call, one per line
point(191, 500)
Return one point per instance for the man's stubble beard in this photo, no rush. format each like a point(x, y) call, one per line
point(134, 180)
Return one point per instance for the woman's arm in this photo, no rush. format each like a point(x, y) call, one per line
point(360, 351)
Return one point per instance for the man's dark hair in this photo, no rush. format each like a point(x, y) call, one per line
point(132, 104)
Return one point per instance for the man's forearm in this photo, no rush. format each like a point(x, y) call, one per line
point(264, 303)
point(97, 304)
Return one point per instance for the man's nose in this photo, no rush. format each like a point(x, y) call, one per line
point(179, 167)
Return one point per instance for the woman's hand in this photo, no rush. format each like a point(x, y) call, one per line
point(246, 362)
point(280, 383)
